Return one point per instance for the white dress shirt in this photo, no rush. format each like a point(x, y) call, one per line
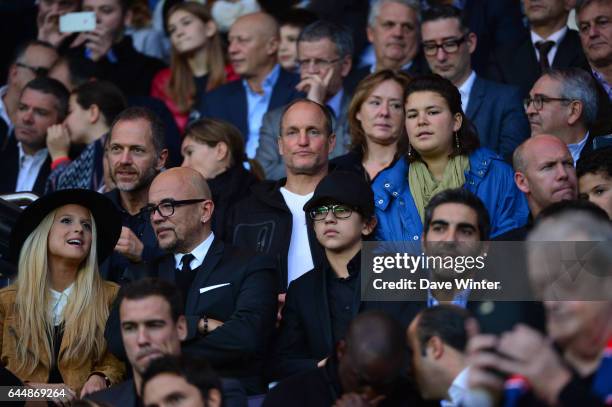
point(29, 167)
point(58, 303)
point(457, 390)
point(199, 253)
point(557, 37)
point(465, 89)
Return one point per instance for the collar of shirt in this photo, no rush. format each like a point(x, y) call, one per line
point(58, 303)
point(40, 155)
point(267, 85)
point(199, 253)
point(465, 89)
point(576, 148)
point(110, 55)
point(600, 78)
point(335, 102)
point(404, 67)
point(556, 37)
point(457, 389)
point(460, 299)
point(3, 112)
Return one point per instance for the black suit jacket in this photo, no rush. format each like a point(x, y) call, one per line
point(240, 290)
point(229, 102)
point(305, 335)
point(9, 168)
point(519, 66)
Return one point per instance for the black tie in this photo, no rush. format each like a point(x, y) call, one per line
point(544, 48)
point(185, 275)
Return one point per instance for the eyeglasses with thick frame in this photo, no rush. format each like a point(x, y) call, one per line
point(318, 63)
point(339, 211)
point(36, 70)
point(166, 207)
point(539, 100)
point(449, 46)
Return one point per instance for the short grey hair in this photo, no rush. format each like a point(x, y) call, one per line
point(577, 84)
point(338, 34)
point(375, 9)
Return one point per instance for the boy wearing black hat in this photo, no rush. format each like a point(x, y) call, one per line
point(321, 303)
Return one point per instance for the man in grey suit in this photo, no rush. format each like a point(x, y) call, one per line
point(324, 58)
point(495, 109)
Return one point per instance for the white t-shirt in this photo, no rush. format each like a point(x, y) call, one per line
point(299, 260)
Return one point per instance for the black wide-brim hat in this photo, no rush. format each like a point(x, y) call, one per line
point(103, 211)
point(345, 187)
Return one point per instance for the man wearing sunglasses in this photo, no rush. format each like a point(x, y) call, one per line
point(321, 303)
point(448, 46)
point(33, 59)
point(564, 103)
point(230, 295)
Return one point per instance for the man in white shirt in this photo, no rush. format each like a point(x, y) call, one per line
point(563, 103)
point(437, 338)
point(448, 46)
point(24, 161)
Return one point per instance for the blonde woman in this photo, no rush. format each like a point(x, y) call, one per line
point(52, 318)
point(197, 64)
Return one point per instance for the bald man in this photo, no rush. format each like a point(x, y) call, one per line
point(544, 171)
point(230, 296)
point(253, 46)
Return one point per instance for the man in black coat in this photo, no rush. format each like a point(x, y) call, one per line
point(230, 295)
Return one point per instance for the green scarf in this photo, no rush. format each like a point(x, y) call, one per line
point(423, 185)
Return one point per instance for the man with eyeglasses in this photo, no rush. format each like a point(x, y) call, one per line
point(325, 59)
point(321, 303)
point(551, 45)
point(33, 59)
point(230, 295)
point(135, 153)
point(253, 49)
point(448, 45)
point(563, 103)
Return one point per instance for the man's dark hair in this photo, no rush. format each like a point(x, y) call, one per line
point(158, 130)
point(23, 47)
point(338, 34)
point(106, 95)
point(326, 112)
point(596, 161)
point(80, 69)
point(444, 11)
point(464, 197)
point(54, 88)
point(149, 287)
point(297, 17)
point(195, 371)
point(574, 205)
point(444, 321)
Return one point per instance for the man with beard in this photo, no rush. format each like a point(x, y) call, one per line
point(135, 154)
point(456, 224)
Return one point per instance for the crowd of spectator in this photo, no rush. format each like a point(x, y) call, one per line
point(207, 178)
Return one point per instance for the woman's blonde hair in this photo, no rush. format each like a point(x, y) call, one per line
point(181, 86)
point(85, 313)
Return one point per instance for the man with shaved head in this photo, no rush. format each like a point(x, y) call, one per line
point(253, 46)
point(230, 295)
point(544, 171)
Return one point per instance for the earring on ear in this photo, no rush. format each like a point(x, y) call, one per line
point(409, 150)
point(457, 141)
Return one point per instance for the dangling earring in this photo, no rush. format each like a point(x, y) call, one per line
point(409, 150)
point(457, 141)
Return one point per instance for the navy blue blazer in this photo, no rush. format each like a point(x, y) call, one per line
point(519, 65)
point(9, 168)
point(229, 102)
point(497, 112)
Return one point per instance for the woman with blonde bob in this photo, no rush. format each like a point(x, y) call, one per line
point(197, 64)
point(52, 318)
point(215, 149)
point(376, 124)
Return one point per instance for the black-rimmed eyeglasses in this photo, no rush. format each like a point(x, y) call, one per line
point(339, 212)
point(37, 70)
point(449, 46)
point(539, 100)
point(166, 207)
